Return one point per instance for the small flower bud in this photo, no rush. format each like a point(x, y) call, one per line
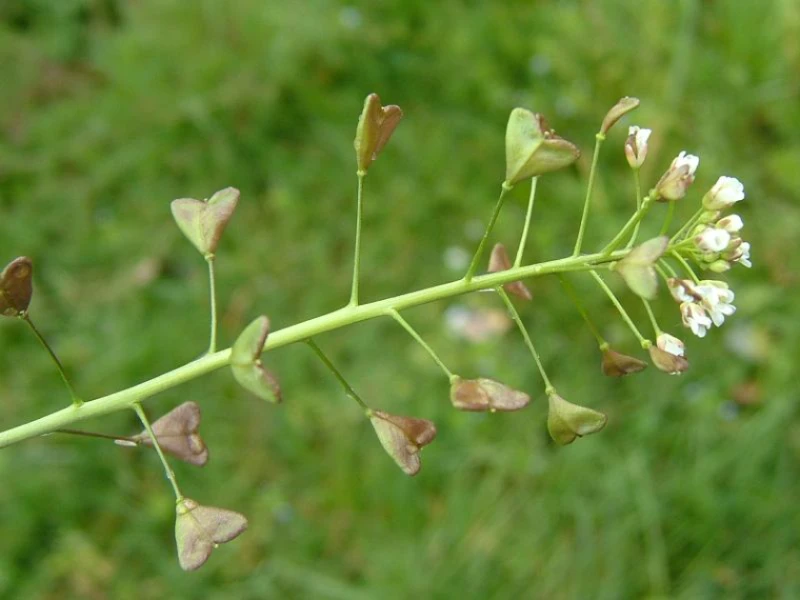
point(719, 266)
point(486, 395)
point(246, 362)
point(712, 239)
point(499, 261)
point(616, 364)
point(669, 343)
point(636, 146)
point(726, 192)
point(740, 253)
point(402, 438)
point(177, 434)
point(619, 110)
point(532, 148)
point(16, 287)
point(567, 421)
point(375, 126)
point(680, 175)
point(731, 223)
point(199, 529)
point(203, 221)
point(637, 267)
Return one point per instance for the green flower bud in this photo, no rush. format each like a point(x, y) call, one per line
point(532, 148)
point(200, 529)
point(203, 221)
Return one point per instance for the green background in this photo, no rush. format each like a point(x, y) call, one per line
point(109, 109)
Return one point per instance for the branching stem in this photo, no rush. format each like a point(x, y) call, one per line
point(623, 313)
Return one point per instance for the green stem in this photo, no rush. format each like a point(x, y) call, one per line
point(348, 390)
point(623, 313)
point(638, 185)
point(686, 266)
point(125, 399)
point(652, 317)
point(548, 387)
point(357, 257)
point(167, 469)
point(629, 226)
point(668, 218)
point(473, 266)
point(76, 402)
point(570, 290)
point(599, 139)
point(405, 325)
point(668, 267)
point(523, 240)
point(212, 343)
point(101, 436)
point(686, 227)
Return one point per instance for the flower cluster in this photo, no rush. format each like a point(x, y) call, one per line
point(703, 303)
point(717, 240)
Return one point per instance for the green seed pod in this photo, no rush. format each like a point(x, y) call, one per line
point(203, 221)
point(637, 267)
point(532, 148)
point(246, 362)
point(567, 421)
point(375, 126)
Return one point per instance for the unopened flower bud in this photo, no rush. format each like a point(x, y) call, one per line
point(199, 529)
point(499, 261)
point(669, 343)
point(637, 267)
point(486, 395)
point(677, 179)
point(719, 266)
point(204, 221)
point(16, 287)
point(616, 364)
point(619, 110)
point(731, 223)
point(246, 363)
point(402, 438)
point(375, 126)
point(567, 421)
point(636, 146)
point(738, 253)
point(532, 148)
point(726, 192)
point(712, 239)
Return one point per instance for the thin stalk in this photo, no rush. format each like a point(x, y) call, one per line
point(623, 313)
point(638, 185)
point(686, 266)
point(338, 319)
point(524, 238)
point(652, 317)
point(212, 286)
point(473, 266)
point(660, 270)
point(357, 257)
point(548, 387)
point(167, 469)
point(629, 226)
point(75, 400)
point(668, 218)
point(101, 436)
point(662, 261)
point(405, 325)
point(599, 139)
point(570, 290)
point(687, 226)
point(348, 390)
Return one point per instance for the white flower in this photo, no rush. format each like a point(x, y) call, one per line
point(744, 256)
point(717, 299)
point(712, 239)
point(681, 289)
point(725, 193)
point(636, 146)
point(669, 343)
point(695, 318)
point(680, 175)
point(731, 223)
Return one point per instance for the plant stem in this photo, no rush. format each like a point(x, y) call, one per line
point(662, 261)
point(623, 313)
point(75, 400)
point(101, 436)
point(638, 185)
point(687, 226)
point(570, 290)
point(357, 256)
point(668, 218)
point(629, 226)
point(599, 139)
point(652, 317)
point(212, 344)
point(167, 469)
point(525, 229)
point(686, 266)
point(473, 266)
point(405, 325)
point(548, 387)
point(348, 390)
point(125, 399)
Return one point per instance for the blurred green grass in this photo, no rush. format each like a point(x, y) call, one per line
point(110, 109)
